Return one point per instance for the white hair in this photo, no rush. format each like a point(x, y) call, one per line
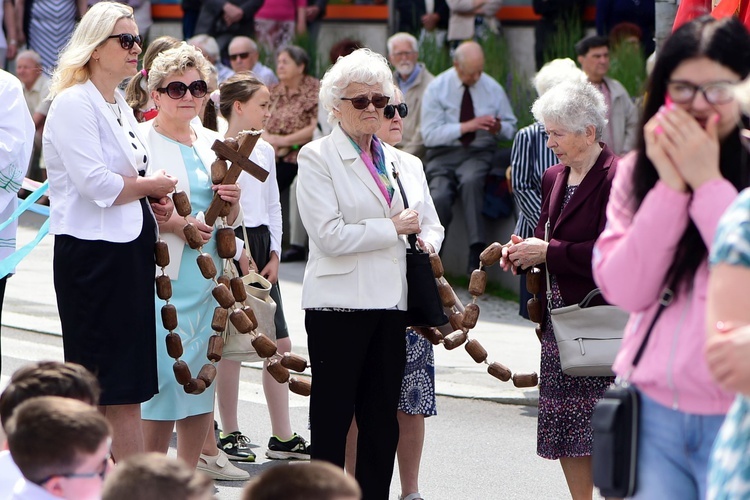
point(554, 72)
point(208, 44)
point(402, 37)
point(574, 105)
point(361, 66)
point(30, 54)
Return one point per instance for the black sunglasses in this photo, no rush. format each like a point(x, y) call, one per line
point(127, 40)
point(361, 102)
point(241, 55)
point(177, 90)
point(390, 110)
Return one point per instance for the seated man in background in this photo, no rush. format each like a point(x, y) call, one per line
point(244, 56)
point(210, 49)
point(35, 90)
point(464, 114)
point(62, 448)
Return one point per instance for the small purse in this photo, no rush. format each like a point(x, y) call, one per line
point(424, 307)
point(238, 346)
point(588, 337)
point(615, 429)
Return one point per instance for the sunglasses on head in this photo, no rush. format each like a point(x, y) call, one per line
point(390, 110)
point(361, 102)
point(127, 40)
point(241, 55)
point(177, 90)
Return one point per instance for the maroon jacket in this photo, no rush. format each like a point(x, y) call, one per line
point(574, 231)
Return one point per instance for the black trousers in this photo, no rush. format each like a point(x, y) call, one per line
point(357, 361)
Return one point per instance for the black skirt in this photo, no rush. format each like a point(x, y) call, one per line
point(105, 296)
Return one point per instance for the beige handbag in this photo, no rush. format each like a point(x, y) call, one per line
point(238, 346)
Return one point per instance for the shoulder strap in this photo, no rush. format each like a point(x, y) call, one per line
point(666, 299)
point(412, 237)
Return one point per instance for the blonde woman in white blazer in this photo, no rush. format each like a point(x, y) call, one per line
point(354, 289)
point(103, 224)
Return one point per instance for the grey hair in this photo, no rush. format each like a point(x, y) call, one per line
point(402, 37)
point(554, 72)
point(208, 44)
point(30, 54)
point(177, 61)
point(574, 105)
point(361, 66)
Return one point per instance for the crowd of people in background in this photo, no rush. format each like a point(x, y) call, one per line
point(641, 197)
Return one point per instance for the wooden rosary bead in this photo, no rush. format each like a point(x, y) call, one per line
point(182, 203)
point(278, 371)
point(219, 319)
point(169, 317)
point(525, 379)
point(456, 320)
point(240, 321)
point(224, 280)
point(499, 371)
point(534, 280)
point(192, 236)
point(226, 209)
point(226, 243)
point(251, 314)
point(471, 315)
point(455, 339)
point(476, 351)
point(218, 171)
point(207, 374)
point(294, 362)
point(163, 287)
point(238, 289)
point(534, 308)
point(264, 346)
point(491, 254)
point(181, 372)
point(195, 386)
point(430, 333)
point(207, 266)
point(478, 282)
point(223, 296)
point(215, 348)
point(161, 252)
point(446, 295)
point(174, 345)
point(437, 265)
point(232, 143)
point(300, 386)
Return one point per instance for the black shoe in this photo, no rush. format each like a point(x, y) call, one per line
point(294, 449)
point(474, 251)
point(293, 254)
point(236, 446)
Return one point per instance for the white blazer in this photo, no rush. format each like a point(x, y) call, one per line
point(356, 258)
point(87, 155)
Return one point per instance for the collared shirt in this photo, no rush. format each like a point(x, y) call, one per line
point(36, 96)
point(265, 74)
point(9, 475)
point(26, 490)
point(293, 111)
point(441, 109)
point(405, 85)
point(223, 72)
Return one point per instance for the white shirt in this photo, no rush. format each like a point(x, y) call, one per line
point(9, 475)
point(26, 490)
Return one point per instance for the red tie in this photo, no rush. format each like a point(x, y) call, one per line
point(467, 113)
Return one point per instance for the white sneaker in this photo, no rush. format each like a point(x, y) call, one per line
point(219, 467)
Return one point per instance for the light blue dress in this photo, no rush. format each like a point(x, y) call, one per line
point(191, 295)
point(729, 467)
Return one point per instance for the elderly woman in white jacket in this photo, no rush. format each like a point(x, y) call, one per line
point(354, 290)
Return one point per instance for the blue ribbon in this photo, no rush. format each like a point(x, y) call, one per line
point(10, 262)
point(28, 202)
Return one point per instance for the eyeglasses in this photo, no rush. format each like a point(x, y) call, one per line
point(127, 40)
point(241, 55)
point(177, 90)
point(361, 102)
point(683, 92)
point(390, 110)
point(83, 475)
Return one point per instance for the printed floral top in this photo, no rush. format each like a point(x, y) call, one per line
point(293, 111)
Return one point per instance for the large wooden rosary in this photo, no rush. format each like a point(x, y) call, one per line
point(229, 293)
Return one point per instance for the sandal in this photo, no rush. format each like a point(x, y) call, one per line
point(412, 496)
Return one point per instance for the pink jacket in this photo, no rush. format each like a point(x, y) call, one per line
point(631, 260)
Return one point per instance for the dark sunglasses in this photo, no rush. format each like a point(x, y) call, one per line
point(390, 110)
point(177, 90)
point(361, 102)
point(241, 55)
point(127, 40)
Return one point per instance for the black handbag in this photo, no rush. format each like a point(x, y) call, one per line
point(615, 429)
point(424, 307)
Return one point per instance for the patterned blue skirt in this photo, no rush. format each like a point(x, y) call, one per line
point(418, 386)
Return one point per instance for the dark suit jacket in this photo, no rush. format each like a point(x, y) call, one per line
point(410, 14)
point(574, 231)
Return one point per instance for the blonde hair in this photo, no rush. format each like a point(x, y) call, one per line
point(135, 93)
point(93, 30)
point(177, 60)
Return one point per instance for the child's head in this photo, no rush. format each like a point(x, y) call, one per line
point(314, 480)
point(245, 98)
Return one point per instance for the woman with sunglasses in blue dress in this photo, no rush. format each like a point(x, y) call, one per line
point(104, 226)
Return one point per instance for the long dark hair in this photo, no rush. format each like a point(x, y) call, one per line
point(719, 41)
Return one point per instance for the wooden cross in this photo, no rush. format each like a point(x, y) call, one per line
point(240, 162)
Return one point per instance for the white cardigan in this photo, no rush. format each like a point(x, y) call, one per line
point(87, 155)
point(356, 258)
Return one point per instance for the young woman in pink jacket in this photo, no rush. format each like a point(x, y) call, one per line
point(663, 210)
